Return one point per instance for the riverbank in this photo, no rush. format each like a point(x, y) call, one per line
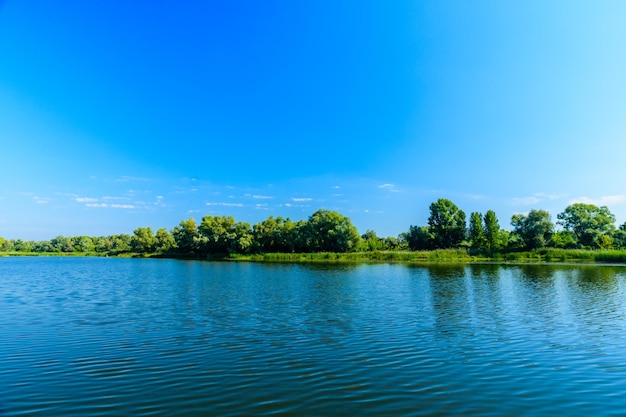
point(434, 256)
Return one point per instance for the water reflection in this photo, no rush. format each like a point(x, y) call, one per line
point(146, 337)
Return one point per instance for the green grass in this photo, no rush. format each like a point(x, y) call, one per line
point(435, 256)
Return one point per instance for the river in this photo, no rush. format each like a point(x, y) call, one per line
point(151, 337)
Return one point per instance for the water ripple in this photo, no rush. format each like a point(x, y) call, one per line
point(86, 336)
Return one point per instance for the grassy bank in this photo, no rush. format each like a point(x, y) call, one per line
point(435, 256)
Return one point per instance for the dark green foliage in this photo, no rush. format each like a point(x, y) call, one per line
point(476, 232)
point(185, 235)
point(446, 224)
point(222, 235)
point(329, 231)
point(420, 238)
point(164, 241)
point(492, 232)
point(591, 226)
point(535, 229)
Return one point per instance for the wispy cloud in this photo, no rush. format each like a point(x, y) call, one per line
point(113, 206)
point(535, 198)
point(301, 199)
point(108, 198)
point(601, 201)
point(127, 178)
point(389, 187)
point(36, 198)
point(262, 197)
point(225, 204)
point(86, 200)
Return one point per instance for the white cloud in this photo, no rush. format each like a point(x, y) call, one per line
point(287, 204)
point(97, 205)
point(263, 197)
point(535, 198)
point(602, 201)
point(86, 200)
point(225, 204)
point(388, 187)
point(301, 199)
point(127, 178)
point(113, 198)
point(122, 206)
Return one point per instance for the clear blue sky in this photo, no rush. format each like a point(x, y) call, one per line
point(120, 114)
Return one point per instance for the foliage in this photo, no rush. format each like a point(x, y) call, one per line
point(492, 232)
point(185, 235)
point(591, 225)
point(419, 238)
point(221, 234)
point(143, 240)
point(446, 224)
point(329, 231)
point(535, 229)
point(476, 232)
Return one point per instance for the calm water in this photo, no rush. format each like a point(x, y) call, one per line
point(98, 336)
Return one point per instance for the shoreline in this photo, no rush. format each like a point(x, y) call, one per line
point(458, 256)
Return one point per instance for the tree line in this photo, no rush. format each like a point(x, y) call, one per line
point(582, 226)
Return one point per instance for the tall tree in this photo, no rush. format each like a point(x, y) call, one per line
point(185, 235)
point(590, 224)
point(446, 223)
point(329, 231)
point(535, 229)
point(492, 231)
point(143, 240)
point(221, 234)
point(164, 241)
point(476, 232)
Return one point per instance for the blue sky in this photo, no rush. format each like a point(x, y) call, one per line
point(115, 115)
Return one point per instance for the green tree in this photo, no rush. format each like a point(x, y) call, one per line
point(83, 244)
point(476, 232)
point(419, 238)
point(222, 235)
point(371, 242)
point(185, 235)
point(164, 241)
point(446, 224)
point(143, 240)
point(619, 237)
point(329, 231)
point(103, 244)
point(564, 239)
point(120, 243)
point(590, 224)
point(535, 229)
point(493, 233)
point(6, 245)
point(61, 244)
point(271, 235)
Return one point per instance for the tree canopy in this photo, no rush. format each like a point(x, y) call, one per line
point(591, 225)
point(446, 223)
